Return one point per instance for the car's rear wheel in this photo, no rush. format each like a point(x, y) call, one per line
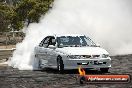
point(104, 70)
point(60, 65)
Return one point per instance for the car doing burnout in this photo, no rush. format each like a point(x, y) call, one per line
point(71, 51)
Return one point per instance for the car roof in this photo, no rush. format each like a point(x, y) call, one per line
point(59, 35)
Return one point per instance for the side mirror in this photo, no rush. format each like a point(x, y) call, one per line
point(52, 46)
point(97, 44)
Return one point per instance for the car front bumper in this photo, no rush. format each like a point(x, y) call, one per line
point(94, 63)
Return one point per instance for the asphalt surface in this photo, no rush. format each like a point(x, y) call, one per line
point(50, 78)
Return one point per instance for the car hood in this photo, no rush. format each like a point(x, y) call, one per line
point(82, 50)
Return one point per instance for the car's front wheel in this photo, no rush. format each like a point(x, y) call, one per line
point(60, 65)
point(104, 70)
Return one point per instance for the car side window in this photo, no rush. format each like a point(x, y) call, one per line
point(41, 43)
point(44, 42)
point(52, 41)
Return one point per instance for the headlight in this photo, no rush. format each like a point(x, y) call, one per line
point(105, 55)
point(74, 56)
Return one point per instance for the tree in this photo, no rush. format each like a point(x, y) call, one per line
point(14, 14)
point(29, 11)
point(5, 14)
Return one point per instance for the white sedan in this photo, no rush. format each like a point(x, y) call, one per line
point(71, 51)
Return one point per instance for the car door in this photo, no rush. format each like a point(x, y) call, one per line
point(42, 51)
point(51, 53)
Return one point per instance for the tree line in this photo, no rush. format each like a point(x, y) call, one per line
point(14, 14)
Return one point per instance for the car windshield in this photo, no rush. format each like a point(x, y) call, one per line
point(74, 41)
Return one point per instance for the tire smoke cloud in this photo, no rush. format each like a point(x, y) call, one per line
point(108, 22)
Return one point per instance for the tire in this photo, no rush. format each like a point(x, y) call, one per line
point(104, 70)
point(60, 65)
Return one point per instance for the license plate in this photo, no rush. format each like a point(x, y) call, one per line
point(84, 63)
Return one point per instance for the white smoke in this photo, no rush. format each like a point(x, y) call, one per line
point(107, 22)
